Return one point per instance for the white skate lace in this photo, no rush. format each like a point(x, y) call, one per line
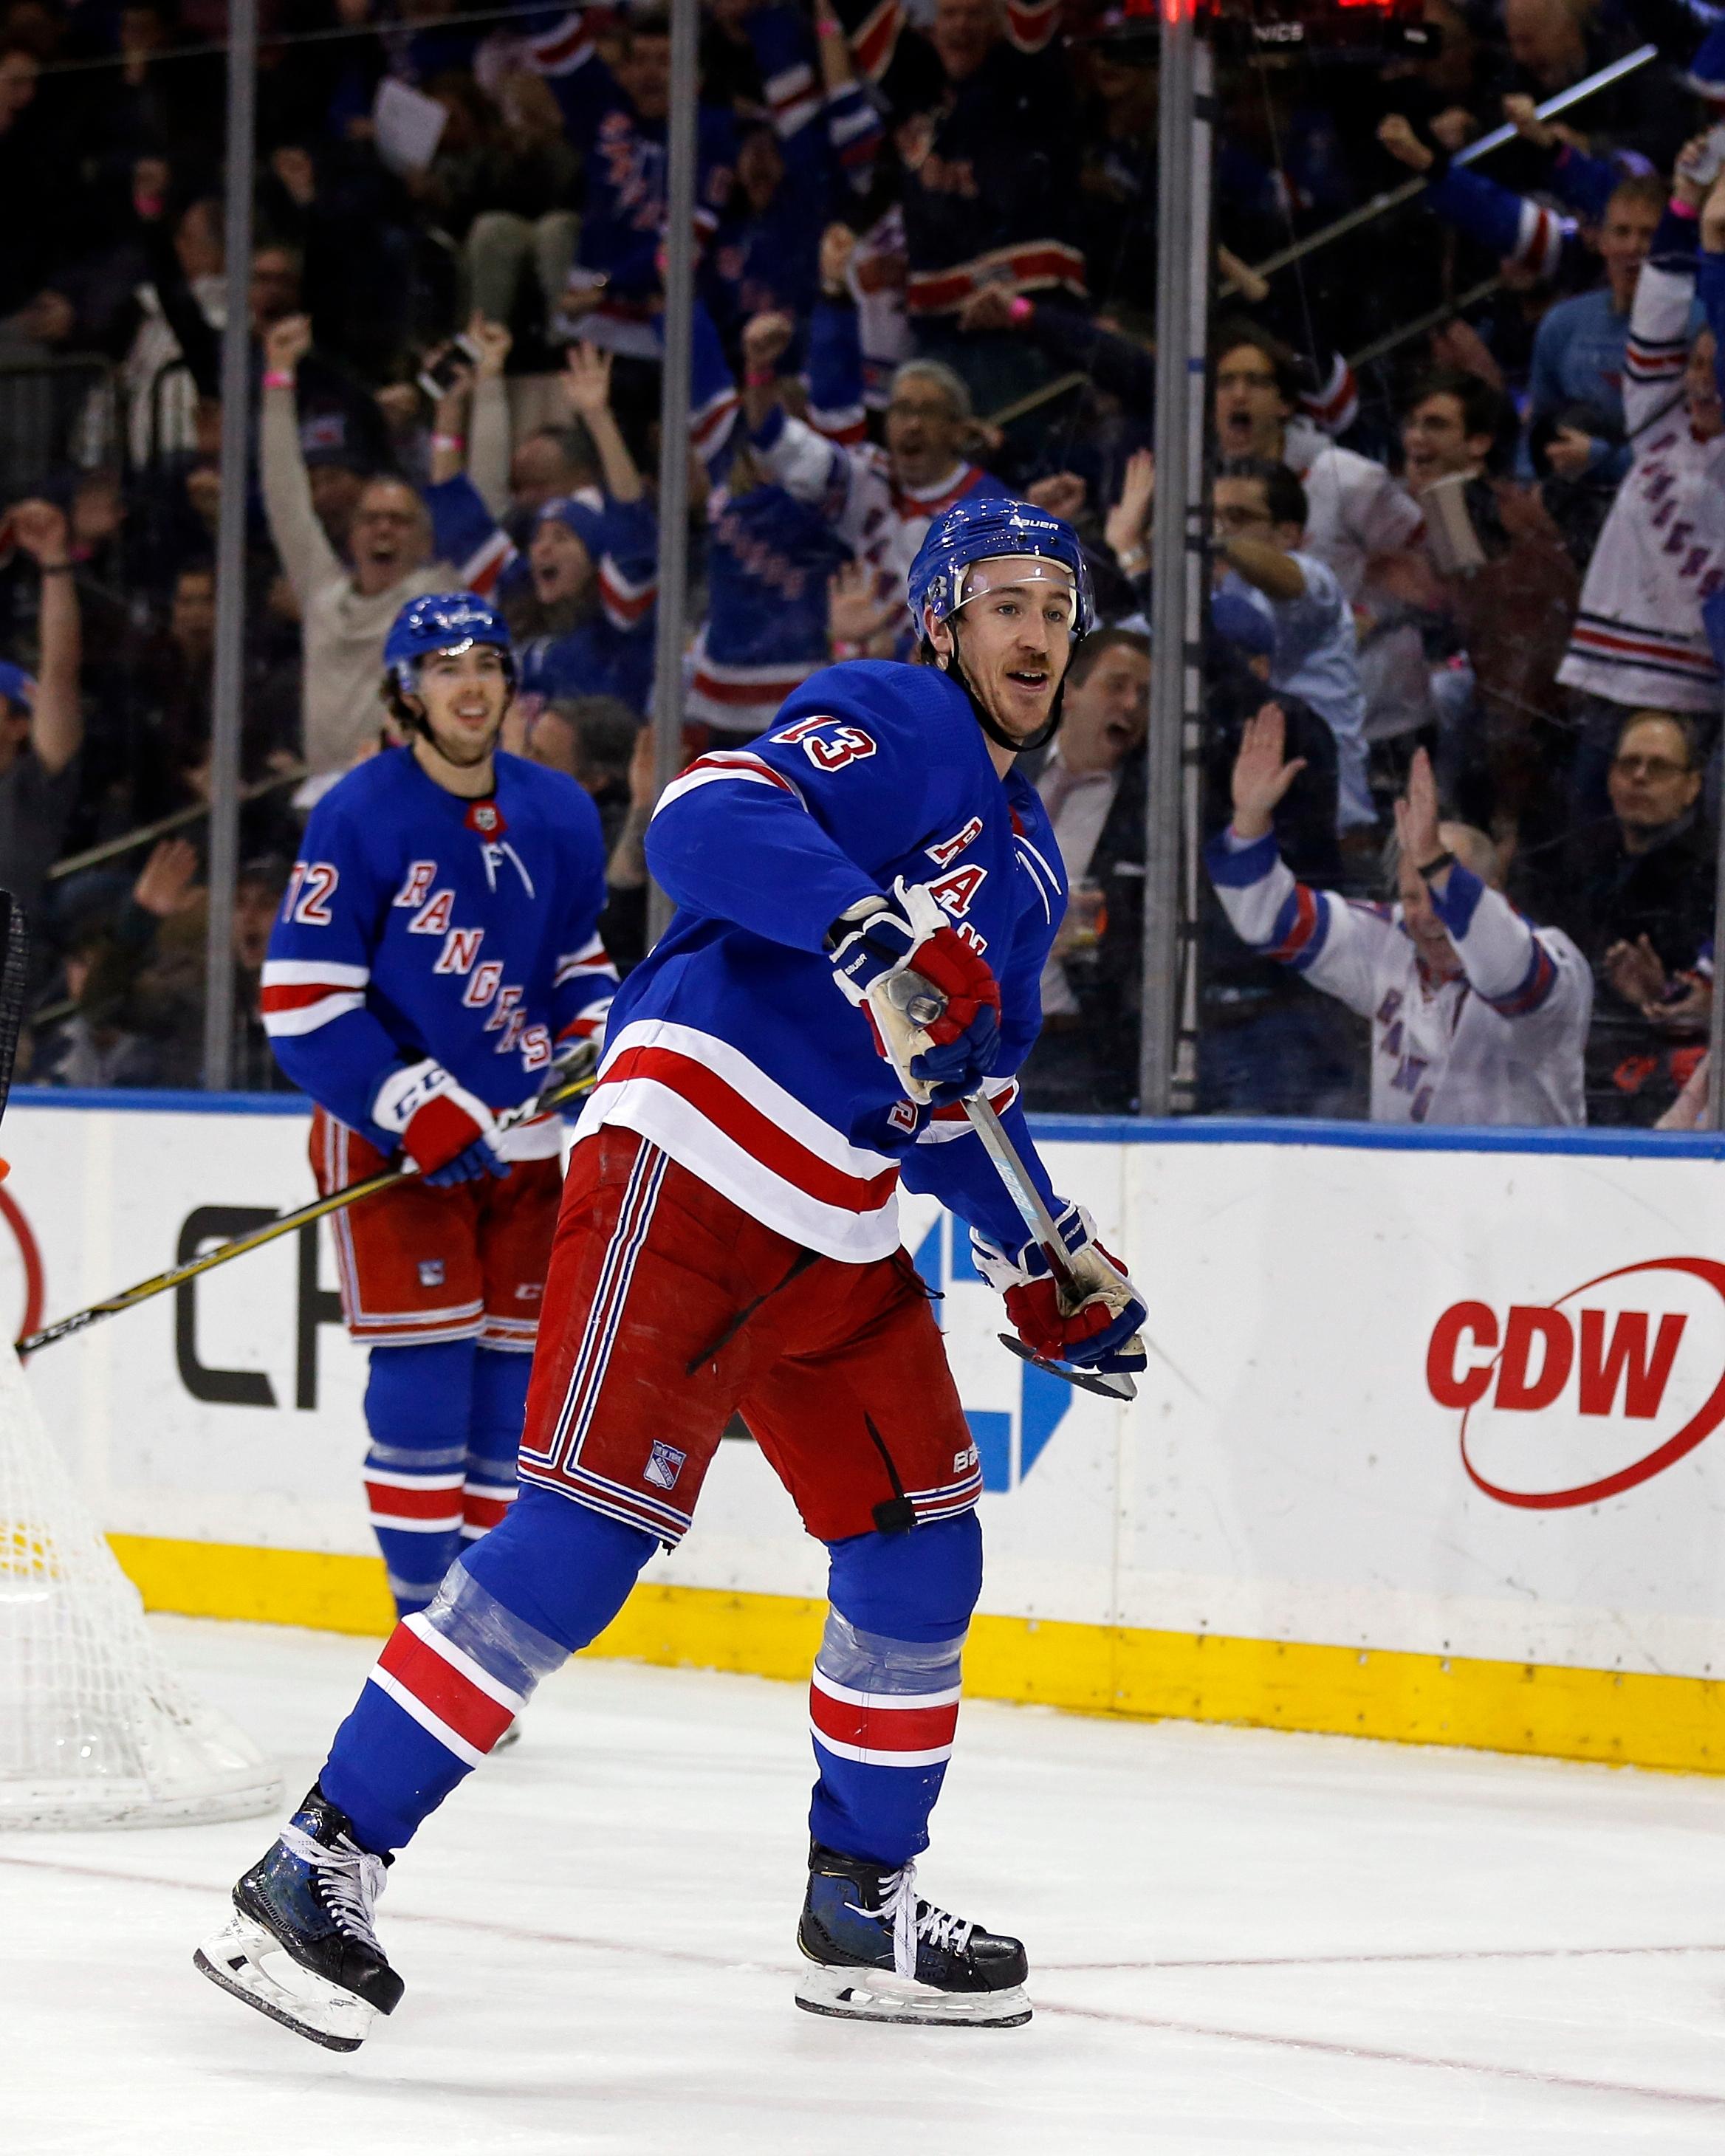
point(349, 1880)
point(912, 1921)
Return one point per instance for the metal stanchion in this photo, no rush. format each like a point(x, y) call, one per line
point(674, 421)
point(1165, 1072)
point(229, 666)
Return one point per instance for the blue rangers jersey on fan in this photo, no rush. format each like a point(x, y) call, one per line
point(730, 1046)
point(417, 924)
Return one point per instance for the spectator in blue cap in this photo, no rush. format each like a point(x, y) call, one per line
point(587, 629)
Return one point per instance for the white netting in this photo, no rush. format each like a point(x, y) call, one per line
point(96, 1730)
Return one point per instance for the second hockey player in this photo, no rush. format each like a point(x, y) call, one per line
point(437, 948)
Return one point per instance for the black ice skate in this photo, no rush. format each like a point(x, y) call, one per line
point(300, 1946)
point(882, 1954)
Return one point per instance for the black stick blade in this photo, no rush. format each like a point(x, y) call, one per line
point(15, 964)
point(1087, 1381)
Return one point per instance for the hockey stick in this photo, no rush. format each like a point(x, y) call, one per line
point(918, 1003)
point(1113, 1384)
point(554, 1096)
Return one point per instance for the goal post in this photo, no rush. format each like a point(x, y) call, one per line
point(97, 1730)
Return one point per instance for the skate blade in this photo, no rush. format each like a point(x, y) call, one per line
point(309, 2005)
point(870, 1994)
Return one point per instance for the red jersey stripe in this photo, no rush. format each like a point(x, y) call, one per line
point(740, 1121)
point(301, 994)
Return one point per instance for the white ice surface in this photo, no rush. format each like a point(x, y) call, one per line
point(1239, 1941)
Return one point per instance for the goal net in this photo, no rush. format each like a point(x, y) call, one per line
point(95, 1729)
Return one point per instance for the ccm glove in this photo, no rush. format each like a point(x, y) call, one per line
point(1100, 1334)
point(445, 1130)
point(952, 1055)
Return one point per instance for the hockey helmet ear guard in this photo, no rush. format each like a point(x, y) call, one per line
point(438, 621)
point(952, 567)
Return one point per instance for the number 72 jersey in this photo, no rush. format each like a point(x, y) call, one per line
point(417, 924)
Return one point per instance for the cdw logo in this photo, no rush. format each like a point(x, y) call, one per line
point(1573, 1401)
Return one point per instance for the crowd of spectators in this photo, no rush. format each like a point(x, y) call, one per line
point(1462, 675)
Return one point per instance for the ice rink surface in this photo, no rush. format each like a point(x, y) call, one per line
point(1239, 1941)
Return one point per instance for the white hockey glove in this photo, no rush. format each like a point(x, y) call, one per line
point(947, 1051)
point(1100, 1334)
point(445, 1131)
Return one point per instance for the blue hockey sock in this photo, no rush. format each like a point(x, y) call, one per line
point(418, 1410)
point(499, 1406)
point(883, 1701)
point(452, 1678)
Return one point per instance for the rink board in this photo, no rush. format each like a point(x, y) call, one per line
point(1429, 1449)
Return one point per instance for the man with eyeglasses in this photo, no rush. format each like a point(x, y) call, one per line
point(1636, 893)
point(1356, 513)
point(881, 498)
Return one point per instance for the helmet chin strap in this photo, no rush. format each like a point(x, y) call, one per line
point(950, 663)
point(418, 720)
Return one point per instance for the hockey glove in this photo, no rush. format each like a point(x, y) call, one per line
point(1100, 1334)
point(949, 1055)
point(445, 1130)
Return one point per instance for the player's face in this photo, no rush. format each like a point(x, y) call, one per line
point(1015, 639)
point(464, 694)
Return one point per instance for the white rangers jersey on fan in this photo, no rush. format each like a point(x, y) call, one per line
point(878, 520)
point(1500, 1042)
point(1355, 511)
point(1638, 638)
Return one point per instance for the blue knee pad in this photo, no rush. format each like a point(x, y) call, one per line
point(884, 1700)
point(560, 1567)
point(922, 1586)
point(499, 1406)
point(419, 1411)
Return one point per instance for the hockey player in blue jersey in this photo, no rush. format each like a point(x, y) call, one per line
point(437, 948)
point(727, 1240)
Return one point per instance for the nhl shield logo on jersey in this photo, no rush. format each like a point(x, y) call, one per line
point(486, 817)
point(664, 1463)
point(431, 1272)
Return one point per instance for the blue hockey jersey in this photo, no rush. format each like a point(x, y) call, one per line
point(417, 924)
point(730, 1046)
